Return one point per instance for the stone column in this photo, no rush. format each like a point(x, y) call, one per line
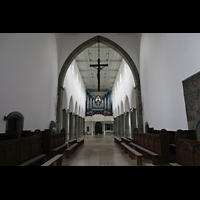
point(139, 109)
point(133, 121)
point(79, 126)
point(84, 125)
point(118, 126)
point(121, 125)
point(67, 125)
point(114, 124)
point(76, 126)
point(71, 125)
point(127, 125)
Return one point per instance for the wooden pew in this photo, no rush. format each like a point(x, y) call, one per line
point(155, 157)
point(188, 152)
point(34, 161)
point(117, 140)
point(57, 159)
point(174, 164)
point(132, 153)
point(71, 142)
point(59, 149)
point(125, 140)
point(22, 151)
point(157, 143)
point(52, 141)
point(80, 141)
point(70, 150)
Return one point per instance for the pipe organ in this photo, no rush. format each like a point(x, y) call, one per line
point(96, 104)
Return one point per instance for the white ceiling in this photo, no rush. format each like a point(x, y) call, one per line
point(107, 74)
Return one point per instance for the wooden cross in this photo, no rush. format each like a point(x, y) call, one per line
point(98, 65)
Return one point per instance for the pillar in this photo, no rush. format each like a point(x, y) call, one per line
point(71, 125)
point(133, 121)
point(127, 126)
point(76, 126)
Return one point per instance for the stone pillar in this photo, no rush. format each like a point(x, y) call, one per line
point(76, 126)
point(84, 125)
point(118, 126)
point(127, 125)
point(122, 125)
point(133, 121)
point(79, 125)
point(71, 125)
point(139, 109)
point(67, 125)
point(114, 124)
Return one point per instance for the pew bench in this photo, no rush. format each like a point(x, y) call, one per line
point(59, 150)
point(125, 140)
point(174, 164)
point(71, 142)
point(132, 153)
point(81, 141)
point(117, 140)
point(150, 164)
point(57, 159)
point(131, 139)
point(33, 161)
point(70, 150)
point(155, 157)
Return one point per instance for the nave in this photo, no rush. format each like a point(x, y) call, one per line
point(99, 150)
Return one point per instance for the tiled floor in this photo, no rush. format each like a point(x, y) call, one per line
point(99, 150)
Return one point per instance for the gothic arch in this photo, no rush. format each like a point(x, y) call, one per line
point(120, 51)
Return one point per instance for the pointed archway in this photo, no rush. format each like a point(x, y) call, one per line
point(120, 51)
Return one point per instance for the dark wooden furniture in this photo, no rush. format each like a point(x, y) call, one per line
point(125, 140)
point(80, 141)
point(154, 156)
point(157, 143)
point(70, 150)
point(174, 164)
point(71, 142)
point(132, 153)
point(117, 140)
point(34, 161)
point(52, 141)
point(188, 152)
point(23, 151)
point(56, 159)
point(59, 149)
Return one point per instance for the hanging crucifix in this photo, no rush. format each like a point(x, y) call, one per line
point(99, 67)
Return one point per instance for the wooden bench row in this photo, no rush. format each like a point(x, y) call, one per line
point(136, 150)
point(73, 145)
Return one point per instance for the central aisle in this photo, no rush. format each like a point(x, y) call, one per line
point(99, 150)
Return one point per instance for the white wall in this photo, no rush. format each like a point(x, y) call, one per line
point(28, 78)
point(75, 89)
point(123, 90)
point(166, 59)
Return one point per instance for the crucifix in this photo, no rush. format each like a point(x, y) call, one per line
point(99, 67)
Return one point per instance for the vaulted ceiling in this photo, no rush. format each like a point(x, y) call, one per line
point(107, 74)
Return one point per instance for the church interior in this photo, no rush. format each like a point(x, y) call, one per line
point(100, 99)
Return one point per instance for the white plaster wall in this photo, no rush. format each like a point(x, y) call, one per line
point(123, 90)
point(74, 88)
point(166, 59)
point(28, 78)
